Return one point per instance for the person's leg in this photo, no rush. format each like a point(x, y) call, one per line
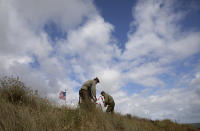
point(113, 106)
point(109, 108)
point(86, 99)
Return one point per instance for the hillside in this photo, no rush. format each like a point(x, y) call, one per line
point(196, 125)
point(21, 109)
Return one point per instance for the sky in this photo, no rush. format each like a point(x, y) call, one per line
point(146, 53)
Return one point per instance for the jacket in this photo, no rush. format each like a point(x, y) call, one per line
point(90, 85)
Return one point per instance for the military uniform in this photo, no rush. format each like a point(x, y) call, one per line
point(110, 102)
point(87, 92)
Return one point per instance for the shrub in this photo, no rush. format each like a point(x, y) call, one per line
point(14, 91)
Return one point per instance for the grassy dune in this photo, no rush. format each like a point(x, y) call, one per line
point(21, 109)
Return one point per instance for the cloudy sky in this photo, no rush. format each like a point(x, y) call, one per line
point(145, 52)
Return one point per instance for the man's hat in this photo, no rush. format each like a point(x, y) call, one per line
point(102, 92)
point(97, 79)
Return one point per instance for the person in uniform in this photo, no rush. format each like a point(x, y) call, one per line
point(108, 101)
point(87, 93)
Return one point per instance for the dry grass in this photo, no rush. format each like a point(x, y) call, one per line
point(23, 110)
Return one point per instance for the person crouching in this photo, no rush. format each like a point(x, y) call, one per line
point(108, 101)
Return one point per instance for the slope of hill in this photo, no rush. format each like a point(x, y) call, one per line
point(196, 125)
point(23, 110)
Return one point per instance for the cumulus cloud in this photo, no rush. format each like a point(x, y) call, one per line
point(177, 104)
point(155, 43)
point(157, 40)
point(65, 13)
point(23, 40)
point(111, 80)
point(27, 52)
point(180, 104)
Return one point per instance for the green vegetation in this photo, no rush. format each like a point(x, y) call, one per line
point(21, 109)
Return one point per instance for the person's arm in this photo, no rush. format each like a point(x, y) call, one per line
point(105, 99)
point(93, 91)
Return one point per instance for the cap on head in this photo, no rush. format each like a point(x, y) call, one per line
point(97, 79)
point(102, 92)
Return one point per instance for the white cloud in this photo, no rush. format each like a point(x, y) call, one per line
point(146, 74)
point(111, 80)
point(157, 39)
point(65, 13)
point(152, 49)
point(22, 37)
point(89, 47)
point(176, 104)
point(24, 41)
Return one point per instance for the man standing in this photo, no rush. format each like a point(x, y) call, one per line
point(88, 92)
point(108, 100)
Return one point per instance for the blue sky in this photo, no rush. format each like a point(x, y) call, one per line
point(145, 53)
point(119, 14)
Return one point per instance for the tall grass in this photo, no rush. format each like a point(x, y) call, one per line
point(21, 109)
